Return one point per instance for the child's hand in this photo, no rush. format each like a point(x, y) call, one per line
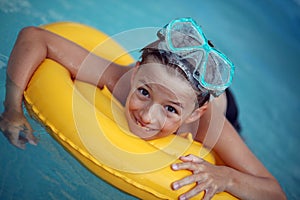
point(16, 129)
point(209, 178)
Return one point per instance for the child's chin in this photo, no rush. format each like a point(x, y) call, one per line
point(143, 135)
point(146, 136)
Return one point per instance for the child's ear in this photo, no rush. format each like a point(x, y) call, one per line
point(197, 113)
point(137, 64)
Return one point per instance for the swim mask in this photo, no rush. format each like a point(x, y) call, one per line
point(209, 69)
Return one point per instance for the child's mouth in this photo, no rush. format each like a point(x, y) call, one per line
point(144, 127)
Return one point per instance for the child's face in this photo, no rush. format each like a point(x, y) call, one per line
point(158, 102)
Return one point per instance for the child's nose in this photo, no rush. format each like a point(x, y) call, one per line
point(151, 114)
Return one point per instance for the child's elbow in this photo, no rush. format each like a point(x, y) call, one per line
point(279, 193)
point(282, 195)
point(30, 32)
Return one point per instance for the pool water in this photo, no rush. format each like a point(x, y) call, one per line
point(262, 37)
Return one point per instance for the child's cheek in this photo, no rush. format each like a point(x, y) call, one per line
point(170, 127)
point(134, 103)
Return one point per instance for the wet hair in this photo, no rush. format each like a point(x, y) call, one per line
point(152, 50)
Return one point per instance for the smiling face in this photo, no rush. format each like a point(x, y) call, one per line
point(159, 102)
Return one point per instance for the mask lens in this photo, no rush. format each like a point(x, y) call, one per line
point(217, 71)
point(209, 67)
point(184, 36)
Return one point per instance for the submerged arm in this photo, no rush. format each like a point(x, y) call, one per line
point(247, 177)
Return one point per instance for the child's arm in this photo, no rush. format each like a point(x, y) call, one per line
point(33, 45)
point(243, 175)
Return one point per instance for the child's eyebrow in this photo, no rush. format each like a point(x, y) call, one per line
point(145, 84)
point(177, 103)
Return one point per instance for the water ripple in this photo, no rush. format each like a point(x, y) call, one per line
point(3, 60)
point(13, 6)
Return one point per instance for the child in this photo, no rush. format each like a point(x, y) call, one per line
point(167, 92)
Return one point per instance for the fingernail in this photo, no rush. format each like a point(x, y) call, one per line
point(174, 166)
point(32, 142)
point(182, 198)
point(175, 186)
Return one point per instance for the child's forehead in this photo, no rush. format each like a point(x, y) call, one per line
point(157, 72)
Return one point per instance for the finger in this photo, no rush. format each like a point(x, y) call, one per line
point(12, 134)
point(193, 192)
point(191, 158)
point(13, 138)
point(29, 136)
point(20, 145)
point(22, 142)
point(209, 193)
point(186, 181)
point(194, 167)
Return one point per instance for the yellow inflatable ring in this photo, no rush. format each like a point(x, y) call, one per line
point(80, 118)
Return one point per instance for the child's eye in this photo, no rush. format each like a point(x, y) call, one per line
point(171, 109)
point(143, 92)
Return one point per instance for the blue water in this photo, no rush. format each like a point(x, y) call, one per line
point(262, 37)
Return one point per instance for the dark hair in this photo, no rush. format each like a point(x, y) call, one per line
point(162, 58)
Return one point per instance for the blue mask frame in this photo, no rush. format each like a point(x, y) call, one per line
point(194, 45)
